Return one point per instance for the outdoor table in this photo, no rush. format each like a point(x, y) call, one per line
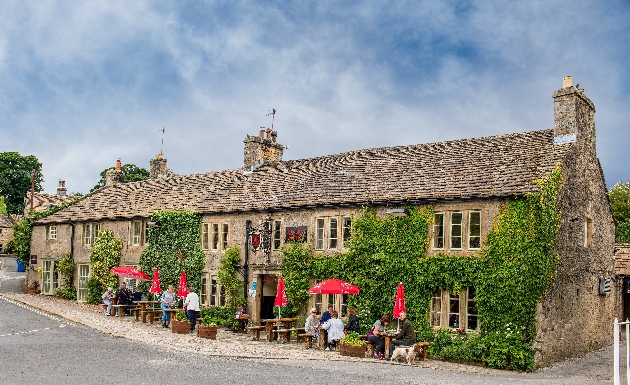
point(143, 309)
point(389, 336)
point(270, 324)
point(242, 323)
point(171, 312)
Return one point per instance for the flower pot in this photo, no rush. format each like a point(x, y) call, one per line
point(352, 350)
point(207, 332)
point(180, 327)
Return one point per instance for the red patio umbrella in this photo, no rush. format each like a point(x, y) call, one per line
point(182, 290)
point(281, 296)
point(334, 286)
point(399, 306)
point(129, 272)
point(155, 285)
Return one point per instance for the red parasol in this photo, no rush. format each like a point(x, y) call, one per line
point(400, 301)
point(281, 296)
point(334, 286)
point(129, 272)
point(182, 290)
point(155, 285)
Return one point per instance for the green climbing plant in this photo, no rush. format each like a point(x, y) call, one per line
point(174, 247)
point(228, 278)
point(66, 266)
point(106, 252)
point(510, 274)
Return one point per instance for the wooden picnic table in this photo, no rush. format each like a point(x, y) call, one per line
point(389, 336)
point(145, 309)
point(242, 323)
point(285, 323)
point(119, 310)
point(172, 311)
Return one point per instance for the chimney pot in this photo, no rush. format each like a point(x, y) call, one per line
point(274, 136)
point(61, 188)
point(567, 81)
point(261, 133)
point(268, 134)
point(118, 164)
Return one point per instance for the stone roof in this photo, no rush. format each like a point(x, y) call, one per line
point(43, 201)
point(5, 222)
point(496, 166)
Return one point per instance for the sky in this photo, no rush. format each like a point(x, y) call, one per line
point(83, 83)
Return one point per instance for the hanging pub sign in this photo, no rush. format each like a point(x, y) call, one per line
point(295, 234)
point(254, 240)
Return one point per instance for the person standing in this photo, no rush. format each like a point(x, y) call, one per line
point(108, 296)
point(166, 302)
point(406, 336)
point(192, 308)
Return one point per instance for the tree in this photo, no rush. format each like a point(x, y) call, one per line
point(132, 173)
point(3, 207)
point(619, 197)
point(15, 179)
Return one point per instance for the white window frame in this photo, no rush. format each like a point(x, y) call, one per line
point(471, 304)
point(443, 312)
point(333, 233)
point(225, 230)
point(453, 226)
point(137, 233)
point(470, 229)
point(436, 231)
point(82, 279)
point(320, 231)
point(90, 232)
point(205, 236)
point(203, 290)
point(215, 236)
point(50, 280)
point(51, 232)
point(346, 230)
point(276, 239)
point(436, 308)
point(131, 282)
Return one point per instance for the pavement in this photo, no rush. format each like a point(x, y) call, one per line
point(592, 368)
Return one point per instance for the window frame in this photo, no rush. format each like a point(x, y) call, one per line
point(333, 233)
point(453, 225)
point(82, 280)
point(276, 241)
point(205, 236)
point(435, 313)
point(136, 233)
point(215, 236)
point(470, 229)
point(320, 232)
point(51, 232)
point(346, 230)
point(90, 232)
point(438, 229)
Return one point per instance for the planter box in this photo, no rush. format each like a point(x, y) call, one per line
point(352, 351)
point(209, 332)
point(180, 327)
point(33, 292)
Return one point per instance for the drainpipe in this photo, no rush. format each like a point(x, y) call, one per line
point(248, 225)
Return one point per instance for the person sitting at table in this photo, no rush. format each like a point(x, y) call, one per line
point(192, 308)
point(326, 315)
point(166, 302)
point(353, 321)
point(377, 336)
point(137, 295)
point(108, 296)
point(123, 296)
point(406, 336)
point(334, 326)
point(312, 325)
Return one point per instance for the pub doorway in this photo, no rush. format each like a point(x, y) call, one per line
point(269, 289)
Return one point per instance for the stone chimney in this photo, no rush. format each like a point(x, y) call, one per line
point(61, 188)
point(574, 117)
point(159, 167)
point(115, 176)
point(262, 149)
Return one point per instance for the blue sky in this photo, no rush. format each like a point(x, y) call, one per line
point(84, 83)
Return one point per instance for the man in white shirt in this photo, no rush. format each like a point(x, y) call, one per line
point(192, 308)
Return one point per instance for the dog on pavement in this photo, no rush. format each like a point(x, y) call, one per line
point(406, 353)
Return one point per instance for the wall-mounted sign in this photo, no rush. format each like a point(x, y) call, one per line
point(33, 259)
point(296, 234)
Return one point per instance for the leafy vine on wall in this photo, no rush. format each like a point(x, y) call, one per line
point(227, 275)
point(106, 252)
point(174, 247)
point(510, 273)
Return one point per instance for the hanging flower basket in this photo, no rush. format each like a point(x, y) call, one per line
point(352, 350)
point(209, 332)
point(180, 327)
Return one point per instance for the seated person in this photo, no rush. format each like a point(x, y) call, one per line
point(353, 321)
point(376, 336)
point(326, 315)
point(137, 295)
point(108, 296)
point(123, 296)
point(312, 325)
point(334, 326)
point(406, 336)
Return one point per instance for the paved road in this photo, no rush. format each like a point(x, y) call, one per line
point(11, 281)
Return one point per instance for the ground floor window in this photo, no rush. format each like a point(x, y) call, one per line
point(83, 274)
point(203, 291)
point(217, 292)
point(455, 310)
point(50, 277)
point(339, 302)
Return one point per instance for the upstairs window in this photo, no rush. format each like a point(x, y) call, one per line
point(333, 232)
point(346, 230)
point(214, 236)
point(204, 236)
point(277, 235)
point(456, 230)
point(474, 230)
point(319, 233)
point(51, 232)
point(438, 231)
point(90, 232)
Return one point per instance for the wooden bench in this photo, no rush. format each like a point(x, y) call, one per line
point(306, 338)
point(256, 332)
point(423, 352)
point(284, 335)
point(119, 310)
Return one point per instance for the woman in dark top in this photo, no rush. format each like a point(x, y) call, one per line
point(377, 336)
point(353, 321)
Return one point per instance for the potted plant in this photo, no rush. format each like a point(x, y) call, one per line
point(180, 324)
point(207, 328)
point(32, 288)
point(352, 346)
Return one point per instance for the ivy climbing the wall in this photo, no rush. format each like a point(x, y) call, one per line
point(228, 279)
point(510, 273)
point(66, 266)
point(105, 255)
point(174, 247)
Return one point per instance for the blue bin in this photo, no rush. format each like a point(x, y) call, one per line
point(20, 267)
